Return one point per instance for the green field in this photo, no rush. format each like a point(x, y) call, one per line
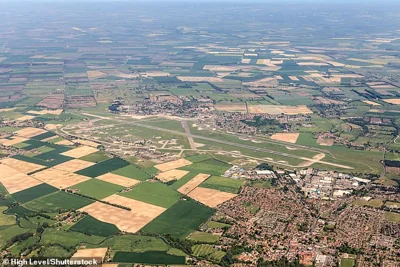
point(33, 193)
point(91, 226)
point(97, 188)
point(189, 176)
point(392, 217)
point(57, 201)
point(6, 219)
point(103, 167)
point(132, 172)
point(155, 193)
point(223, 184)
point(217, 225)
point(54, 236)
point(347, 263)
point(95, 157)
point(203, 237)
point(180, 220)
point(150, 257)
point(208, 251)
point(208, 166)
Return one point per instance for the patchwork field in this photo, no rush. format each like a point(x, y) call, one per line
point(15, 181)
point(56, 201)
point(98, 253)
point(193, 183)
point(80, 152)
point(30, 132)
point(97, 189)
point(117, 179)
point(58, 178)
point(180, 220)
point(276, 109)
point(73, 165)
point(210, 197)
point(154, 193)
point(286, 137)
point(21, 166)
point(171, 175)
point(129, 221)
point(172, 165)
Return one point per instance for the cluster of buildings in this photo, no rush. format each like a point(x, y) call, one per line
point(327, 185)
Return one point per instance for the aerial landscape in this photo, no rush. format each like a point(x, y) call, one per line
point(194, 133)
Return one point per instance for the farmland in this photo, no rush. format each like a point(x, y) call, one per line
point(192, 134)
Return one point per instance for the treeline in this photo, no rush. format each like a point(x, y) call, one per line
point(392, 163)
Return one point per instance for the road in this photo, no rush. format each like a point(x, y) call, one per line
point(189, 135)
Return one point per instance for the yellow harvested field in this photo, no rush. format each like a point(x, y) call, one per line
point(200, 79)
point(7, 109)
point(94, 74)
point(155, 74)
point(312, 64)
point(86, 142)
point(58, 178)
point(117, 179)
point(30, 132)
point(172, 165)
point(192, 184)
point(171, 175)
point(44, 112)
point(109, 265)
point(65, 143)
point(265, 82)
point(394, 101)
point(278, 109)
point(210, 197)
point(73, 165)
point(15, 181)
point(52, 126)
point(98, 253)
point(80, 151)
point(246, 60)
point(50, 138)
point(231, 107)
point(126, 220)
point(286, 137)
point(371, 103)
point(14, 140)
point(22, 166)
point(294, 78)
point(25, 118)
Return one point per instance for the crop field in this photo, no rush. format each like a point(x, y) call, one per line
point(103, 167)
point(95, 157)
point(172, 165)
point(91, 226)
point(210, 197)
point(21, 166)
point(193, 183)
point(132, 220)
point(132, 172)
point(56, 201)
point(171, 175)
point(97, 189)
point(180, 220)
point(208, 251)
point(80, 152)
point(15, 181)
point(117, 179)
point(58, 178)
point(223, 184)
point(73, 165)
point(210, 166)
point(150, 257)
point(99, 253)
point(33, 193)
point(203, 237)
point(154, 193)
point(54, 236)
